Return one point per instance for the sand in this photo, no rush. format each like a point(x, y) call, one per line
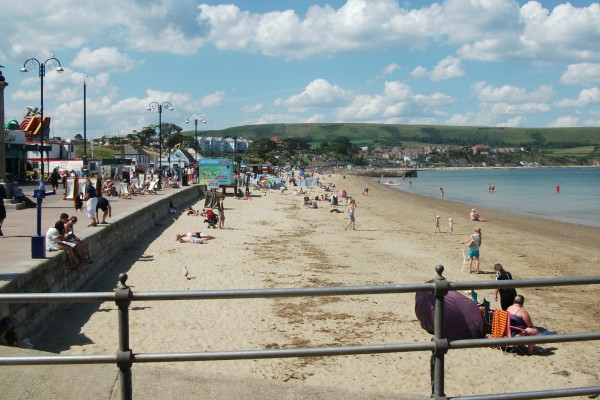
point(272, 241)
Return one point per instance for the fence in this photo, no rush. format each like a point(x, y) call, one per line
point(439, 345)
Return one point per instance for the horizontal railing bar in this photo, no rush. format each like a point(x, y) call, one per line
point(283, 353)
point(282, 292)
point(291, 292)
point(83, 297)
point(301, 352)
point(539, 339)
point(62, 360)
point(536, 394)
point(519, 283)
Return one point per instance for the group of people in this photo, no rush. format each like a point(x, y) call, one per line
point(62, 236)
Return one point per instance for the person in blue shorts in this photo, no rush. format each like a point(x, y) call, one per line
point(474, 242)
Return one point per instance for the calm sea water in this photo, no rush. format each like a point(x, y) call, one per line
point(529, 191)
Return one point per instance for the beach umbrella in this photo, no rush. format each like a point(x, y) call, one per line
point(462, 317)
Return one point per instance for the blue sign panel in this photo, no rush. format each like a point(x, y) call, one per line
point(218, 169)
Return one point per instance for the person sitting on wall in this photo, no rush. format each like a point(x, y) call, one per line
point(20, 196)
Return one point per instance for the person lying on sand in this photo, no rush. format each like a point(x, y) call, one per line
point(194, 237)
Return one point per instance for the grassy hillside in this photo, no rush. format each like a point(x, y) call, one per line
point(392, 135)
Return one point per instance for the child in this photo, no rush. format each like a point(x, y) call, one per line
point(450, 225)
point(437, 224)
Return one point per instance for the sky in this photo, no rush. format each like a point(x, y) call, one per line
point(454, 62)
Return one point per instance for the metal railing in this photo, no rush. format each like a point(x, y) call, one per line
point(123, 296)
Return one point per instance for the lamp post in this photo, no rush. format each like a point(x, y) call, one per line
point(42, 72)
point(155, 105)
point(38, 248)
point(195, 119)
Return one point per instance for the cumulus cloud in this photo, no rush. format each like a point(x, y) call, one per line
point(390, 68)
point(317, 93)
point(448, 68)
point(586, 97)
point(581, 74)
point(213, 100)
point(108, 59)
point(565, 121)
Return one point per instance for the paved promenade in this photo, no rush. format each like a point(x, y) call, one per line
point(20, 225)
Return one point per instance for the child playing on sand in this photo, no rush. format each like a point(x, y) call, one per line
point(450, 225)
point(437, 224)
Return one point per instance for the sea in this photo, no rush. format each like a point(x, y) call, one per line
point(524, 191)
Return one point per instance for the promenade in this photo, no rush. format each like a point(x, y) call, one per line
point(20, 225)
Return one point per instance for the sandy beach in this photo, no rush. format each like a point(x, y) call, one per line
point(272, 241)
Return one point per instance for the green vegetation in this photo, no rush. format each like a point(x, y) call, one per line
point(396, 135)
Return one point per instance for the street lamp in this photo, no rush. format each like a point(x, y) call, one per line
point(195, 119)
point(154, 105)
point(169, 148)
point(42, 72)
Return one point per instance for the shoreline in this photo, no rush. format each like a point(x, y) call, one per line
point(273, 241)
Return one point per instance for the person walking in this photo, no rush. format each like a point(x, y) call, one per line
point(91, 198)
point(351, 210)
point(220, 206)
point(54, 178)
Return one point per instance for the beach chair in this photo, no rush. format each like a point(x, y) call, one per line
point(501, 328)
point(152, 188)
point(136, 188)
point(124, 193)
point(465, 264)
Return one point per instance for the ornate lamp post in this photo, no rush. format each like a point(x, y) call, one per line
point(195, 119)
point(154, 105)
point(42, 71)
point(38, 248)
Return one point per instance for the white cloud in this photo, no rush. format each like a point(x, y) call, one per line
point(512, 122)
point(317, 93)
point(565, 121)
point(485, 92)
point(448, 68)
point(419, 72)
point(586, 97)
point(107, 59)
point(581, 74)
point(252, 109)
point(390, 68)
point(213, 100)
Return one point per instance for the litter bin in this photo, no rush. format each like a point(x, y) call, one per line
point(184, 180)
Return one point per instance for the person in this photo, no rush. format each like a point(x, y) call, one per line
point(193, 237)
point(90, 196)
point(104, 205)
point(2, 208)
point(54, 178)
point(220, 206)
point(442, 192)
point(557, 188)
point(475, 216)
point(507, 295)
point(450, 225)
point(56, 240)
point(437, 224)
point(70, 237)
point(520, 318)
point(473, 243)
point(351, 210)
point(20, 196)
point(8, 334)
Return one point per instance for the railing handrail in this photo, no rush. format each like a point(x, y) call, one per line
point(125, 357)
point(86, 297)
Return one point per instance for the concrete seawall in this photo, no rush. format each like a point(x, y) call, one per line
point(53, 275)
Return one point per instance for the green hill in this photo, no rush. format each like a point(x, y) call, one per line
point(413, 135)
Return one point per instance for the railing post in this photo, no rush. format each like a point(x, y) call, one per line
point(124, 356)
point(439, 337)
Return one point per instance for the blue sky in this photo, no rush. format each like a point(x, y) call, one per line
point(454, 62)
